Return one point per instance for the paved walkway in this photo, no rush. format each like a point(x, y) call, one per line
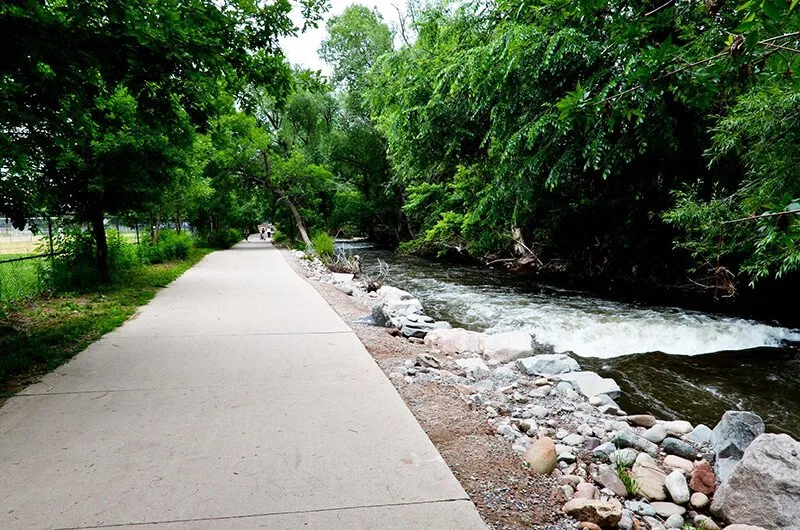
point(236, 399)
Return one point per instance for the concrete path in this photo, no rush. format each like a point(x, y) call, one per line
point(236, 399)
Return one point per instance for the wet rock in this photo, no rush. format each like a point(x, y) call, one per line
point(701, 435)
point(609, 479)
point(474, 367)
point(541, 456)
point(623, 457)
point(673, 446)
point(665, 509)
point(677, 487)
point(605, 514)
point(764, 488)
point(677, 462)
point(649, 478)
point(628, 438)
point(729, 439)
point(674, 521)
point(655, 434)
point(703, 479)
point(549, 364)
point(704, 522)
point(506, 347)
point(590, 384)
point(699, 501)
point(642, 420)
point(456, 340)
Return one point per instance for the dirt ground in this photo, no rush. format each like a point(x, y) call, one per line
point(506, 494)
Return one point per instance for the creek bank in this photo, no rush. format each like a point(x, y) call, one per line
point(613, 470)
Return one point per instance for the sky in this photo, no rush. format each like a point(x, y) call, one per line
point(302, 49)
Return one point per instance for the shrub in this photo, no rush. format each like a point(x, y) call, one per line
point(223, 239)
point(323, 245)
point(170, 246)
point(279, 237)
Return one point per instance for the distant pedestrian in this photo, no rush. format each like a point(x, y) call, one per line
point(263, 231)
point(247, 234)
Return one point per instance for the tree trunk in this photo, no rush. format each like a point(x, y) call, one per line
point(157, 229)
point(101, 247)
point(178, 221)
point(299, 222)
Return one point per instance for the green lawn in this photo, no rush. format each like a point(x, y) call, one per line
point(38, 334)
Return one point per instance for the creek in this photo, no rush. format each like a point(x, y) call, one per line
point(671, 362)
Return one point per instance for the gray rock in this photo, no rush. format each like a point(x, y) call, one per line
point(590, 384)
point(674, 521)
point(764, 488)
point(567, 457)
point(625, 521)
point(673, 446)
point(653, 523)
point(485, 385)
point(556, 363)
point(379, 318)
point(701, 435)
point(623, 457)
point(603, 451)
point(627, 438)
point(474, 367)
point(573, 439)
point(503, 373)
point(592, 443)
point(655, 434)
point(346, 289)
point(743, 527)
point(704, 522)
point(539, 411)
point(677, 487)
point(640, 508)
point(729, 439)
point(505, 347)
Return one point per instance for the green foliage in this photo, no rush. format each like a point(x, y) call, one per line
point(624, 474)
point(323, 245)
point(170, 246)
point(223, 239)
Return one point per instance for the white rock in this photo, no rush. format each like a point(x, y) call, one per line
point(655, 434)
point(677, 487)
point(677, 427)
point(474, 367)
point(549, 364)
point(456, 340)
point(590, 384)
point(505, 347)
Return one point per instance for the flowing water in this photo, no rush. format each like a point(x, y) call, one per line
point(671, 362)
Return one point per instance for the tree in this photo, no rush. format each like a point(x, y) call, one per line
point(101, 99)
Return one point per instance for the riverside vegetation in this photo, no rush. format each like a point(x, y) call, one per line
point(613, 469)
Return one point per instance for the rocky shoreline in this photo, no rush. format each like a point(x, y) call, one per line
point(613, 470)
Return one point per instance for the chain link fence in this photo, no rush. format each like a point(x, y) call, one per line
point(24, 253)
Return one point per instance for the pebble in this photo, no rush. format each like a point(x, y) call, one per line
point(623, 457)
point(640, 508)
point(572, 439)
point(566, 457)
point(542, 381)
point(538, 411)
point(698, 500)
point(655, 434)
point(665, 509)
point(603, 451)
point(587, 525)
point(674, 521)
point(653, 523)
point(704, 522)
point(595, 401)
point(561, 434)
point(568, 491)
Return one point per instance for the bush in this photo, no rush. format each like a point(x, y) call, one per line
point(170, 246)
point(224, 239)
point(279, 237)
point(323, 244)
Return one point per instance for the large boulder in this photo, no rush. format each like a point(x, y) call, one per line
point(605, 514)
point(590, 384)
point(764, 488)
point(729, 439)
point(388, 293)
point(507, 347)
point(541, 456)
point(548, 364)
point(456, 340)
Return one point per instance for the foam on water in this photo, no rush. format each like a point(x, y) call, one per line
point(585, 325)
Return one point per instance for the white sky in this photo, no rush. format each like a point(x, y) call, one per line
point(302, 49)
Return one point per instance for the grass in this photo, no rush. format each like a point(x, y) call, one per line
point(631, 485)
point(39, 334)
point(18, 278)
